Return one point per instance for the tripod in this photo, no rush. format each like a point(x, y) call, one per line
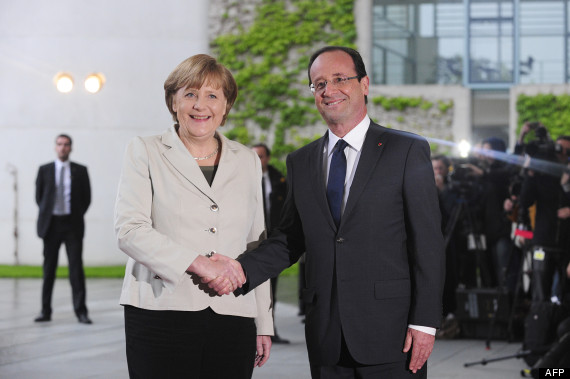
point(519, 284)
point(475, 239)
point(483, 275)
point(520, 354)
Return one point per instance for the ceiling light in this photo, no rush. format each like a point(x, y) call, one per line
point(63, 82)
point(94, 82)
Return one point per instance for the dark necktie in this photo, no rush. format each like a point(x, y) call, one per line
point(335, 185)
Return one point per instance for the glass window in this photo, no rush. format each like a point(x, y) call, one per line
point(491, 54)
point(417, 42)
point(424, 41)
point(542, 39)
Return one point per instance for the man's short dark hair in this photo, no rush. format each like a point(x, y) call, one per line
point(65, 136)
point(356, 59)
point(443, 160)
point(267, 151)
point(563, 138)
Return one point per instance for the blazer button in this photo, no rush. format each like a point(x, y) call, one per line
point(213, 230)
point(339, 240)
point(157, 277)
point(214, 207)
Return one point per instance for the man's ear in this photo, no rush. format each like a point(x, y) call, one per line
point(365, 84)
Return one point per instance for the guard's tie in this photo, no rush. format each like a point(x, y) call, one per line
point(59, 193)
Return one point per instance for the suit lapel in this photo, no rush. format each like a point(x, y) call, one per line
point(177, 154)
point(319, 184)
point(371, 152)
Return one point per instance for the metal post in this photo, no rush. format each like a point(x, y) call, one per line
point(13, 170)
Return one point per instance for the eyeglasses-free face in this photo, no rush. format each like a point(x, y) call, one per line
point(337, 82)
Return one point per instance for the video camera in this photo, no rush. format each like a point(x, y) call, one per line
point(542, 146)
point(462, 179)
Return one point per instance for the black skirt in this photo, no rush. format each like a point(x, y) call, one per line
point(186, 344)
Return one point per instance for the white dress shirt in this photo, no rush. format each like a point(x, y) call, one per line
point(355, 139)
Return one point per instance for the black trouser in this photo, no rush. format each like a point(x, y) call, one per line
point(545, 262)
point(61, 231)
point(189, 344)
point(348, 368)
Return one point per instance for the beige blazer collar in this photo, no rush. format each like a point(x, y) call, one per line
point(181, 159)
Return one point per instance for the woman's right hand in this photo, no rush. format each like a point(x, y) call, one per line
point(226, 272)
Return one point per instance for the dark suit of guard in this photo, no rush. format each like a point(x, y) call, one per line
point(381, 269)
point(273, 214)
point(276, 197)
point(68, 229)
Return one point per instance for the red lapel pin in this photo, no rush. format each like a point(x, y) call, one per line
point(380, 144)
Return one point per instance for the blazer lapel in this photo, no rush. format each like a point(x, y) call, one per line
point(177, 154)
point(371, 152)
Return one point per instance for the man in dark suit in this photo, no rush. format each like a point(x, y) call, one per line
point(362, 203)
point(63, 194)
point(274, 192)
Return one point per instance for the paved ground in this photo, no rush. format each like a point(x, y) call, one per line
point(63, 348)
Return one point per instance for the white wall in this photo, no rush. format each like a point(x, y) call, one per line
point(135, 44)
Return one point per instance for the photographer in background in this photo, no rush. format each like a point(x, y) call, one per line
point(495, 174)
point(447, 201)
point(464, 226)
point(551, 236)
point(497, 177)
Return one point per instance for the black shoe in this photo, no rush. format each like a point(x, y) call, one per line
point(43, 317)
point(277, 339)
point(84, 319)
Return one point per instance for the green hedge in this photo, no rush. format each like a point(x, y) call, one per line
point(269, 61)
point(553, 111)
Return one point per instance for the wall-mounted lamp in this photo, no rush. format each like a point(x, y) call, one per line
point(63, 82)
point(94, 82)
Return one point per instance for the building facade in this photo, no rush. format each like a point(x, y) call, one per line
point(486, 46)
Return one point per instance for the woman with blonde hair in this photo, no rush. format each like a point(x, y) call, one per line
point(184, 195)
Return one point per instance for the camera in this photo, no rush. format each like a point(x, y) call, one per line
point(542, 146)
point(463, 180)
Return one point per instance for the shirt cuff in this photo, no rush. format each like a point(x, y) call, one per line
point(425, 329)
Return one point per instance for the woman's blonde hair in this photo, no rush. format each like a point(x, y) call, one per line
point(194, 72)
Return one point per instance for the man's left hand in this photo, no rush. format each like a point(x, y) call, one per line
point(421, 344)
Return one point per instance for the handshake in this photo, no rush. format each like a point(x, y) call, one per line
point(222, 274)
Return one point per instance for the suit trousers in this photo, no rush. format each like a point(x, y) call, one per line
point(61, 230)
point(189, 344)
point(348, 368)
point(546, 262)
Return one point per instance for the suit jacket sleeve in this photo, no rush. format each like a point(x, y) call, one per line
point(40, 186)
point(85, 190)
point(424, 238)
point(264, 302)
point(282, 249)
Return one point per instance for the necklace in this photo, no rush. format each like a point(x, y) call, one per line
point(209, 155)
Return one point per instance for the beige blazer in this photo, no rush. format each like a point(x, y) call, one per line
point(166, 215)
